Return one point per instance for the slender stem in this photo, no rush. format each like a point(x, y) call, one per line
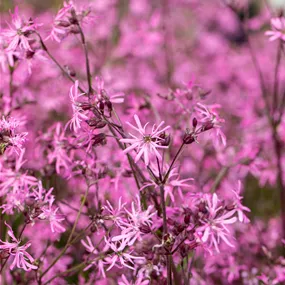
point(280, 171)
point(223, 172)
point(165, 230)
point(162, 193)
point(11, 68)
point(276, 79)
point(172, 163)
point(74, 268)
point(88, 72)
point(44, 47)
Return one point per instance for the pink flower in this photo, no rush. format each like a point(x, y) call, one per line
point(238, 205)
point(137, 218)
point(120, 256)
point(214, 225)
point(139, 281)
point(173, 183)
point(61, 24)
point(78, 115)
point(145, 143)
point(41, 195)
point(278, 29)
point(6, 57)
point(15, 180)
point(102, 95)
point(209, 115)
point(96, 261)
point(9, 137)
point(18, 32)
point(115, 213)
point(22, 259)
point(50, 214)
point(58, 153)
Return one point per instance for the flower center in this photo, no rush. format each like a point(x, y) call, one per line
point(147, 138)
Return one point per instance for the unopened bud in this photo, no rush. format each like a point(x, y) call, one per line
point(74, 29)
point(188, 138)
point(194, 123)
point(99, 139)
point(207, 126)
point(145, 229)
point(109, 105)
point(63, 23)
point(30, 201)
point(187, 216)
point(93, 228)
point(96, 123)
point(85, 106)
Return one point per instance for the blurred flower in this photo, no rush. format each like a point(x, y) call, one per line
point(78, 113)
point(18, 32)
point(278, 29)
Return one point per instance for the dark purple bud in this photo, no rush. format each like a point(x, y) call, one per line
point(93, 228)
point(29, 54)
point(184, 250)
point(30, 201)
point(73, 19)
point(96, 123)
point(207, 126)
point(202, 208)
point(85, 106)
point(109, 105)
point(187, 217)
point(181, 228)
point(188, 138)
point(193, 245)
point(63, 23)
point(4, 254)
point(230, 207)
point(74, 29)
point(101, 106)
point(99, 139)
point(194, 123)
point(145, 229)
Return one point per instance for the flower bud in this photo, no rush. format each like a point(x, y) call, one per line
point(194, 123)
point(85, 106)
point(109, 105)
point(30, 201)
point(188, 138)
point(99, 139)
point(63, 23)
point(96, 123)
point(145, 228)
point(207, 126)
point(74, 29)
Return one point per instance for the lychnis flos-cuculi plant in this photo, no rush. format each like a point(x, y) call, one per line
point(136, 140)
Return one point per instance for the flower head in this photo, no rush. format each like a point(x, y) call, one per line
point(214, 224)
point(22, 259)
point(146, 143)
point(209, 115)
point(50, 213)
point(18, 32)
point(78, 113)
point(119, 255)
point(278, 29)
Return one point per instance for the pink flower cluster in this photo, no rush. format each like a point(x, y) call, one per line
point(142, 142)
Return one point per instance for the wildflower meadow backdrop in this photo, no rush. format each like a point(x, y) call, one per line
point(142, 142)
